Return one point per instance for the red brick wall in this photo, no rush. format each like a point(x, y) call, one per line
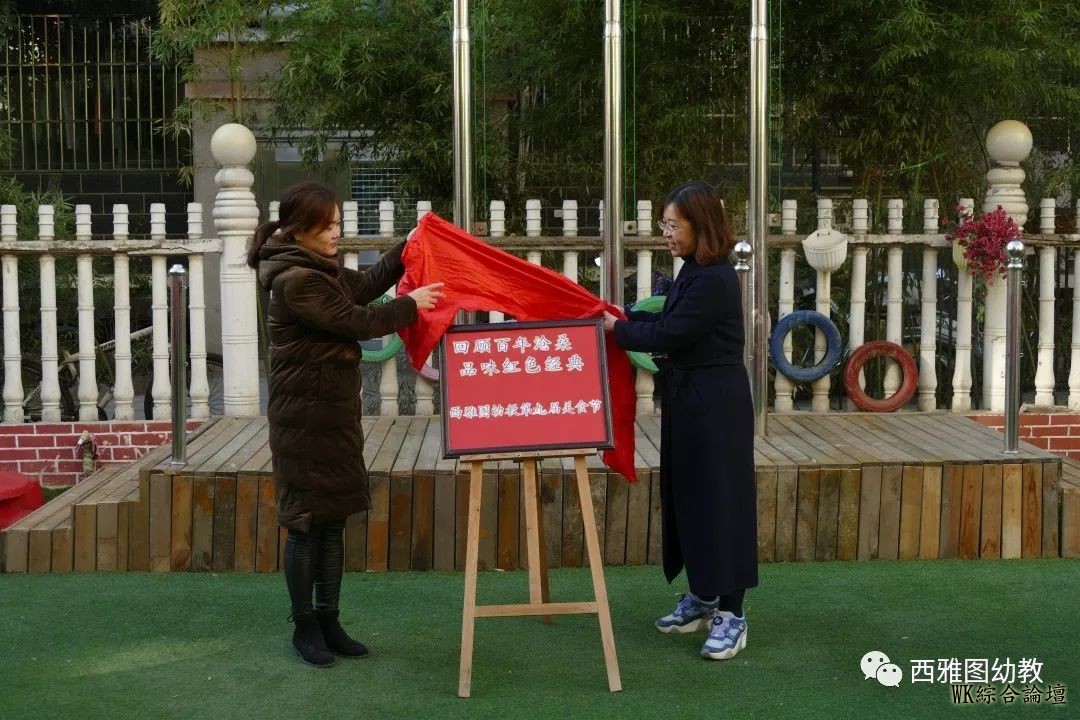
point(47, 451)
point(1056, 432)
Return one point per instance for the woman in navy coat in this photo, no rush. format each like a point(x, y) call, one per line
point(707, 425)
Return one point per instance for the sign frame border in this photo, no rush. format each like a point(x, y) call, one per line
point(601, 344)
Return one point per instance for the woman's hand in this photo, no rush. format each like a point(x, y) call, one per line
point(609, 321)
point(427, 296)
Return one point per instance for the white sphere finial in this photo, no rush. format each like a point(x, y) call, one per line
point(1009, 142)
point(232, 144)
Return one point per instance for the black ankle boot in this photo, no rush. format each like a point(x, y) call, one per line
point(336, 638)
point(309, 642)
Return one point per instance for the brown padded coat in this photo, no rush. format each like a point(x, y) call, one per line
point(315, 317)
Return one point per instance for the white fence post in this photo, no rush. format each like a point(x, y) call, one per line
point(1007, 144)
point(928, 341)
point(962, 365)
point(496, 228)
point(13, 388)
point(350, 229)
point(88, 389)
point(570, 229)
point(533, 228)
point(860, 225)
point(786, 304)
point(236, 216)
point(199, 389)
point(823, 304)
point(1044, 373)
point(123, 391)
point(162, 390)
point(50, 380)
point(644, 386)
point(386, 218)
point(894, 312)
point(388, 380)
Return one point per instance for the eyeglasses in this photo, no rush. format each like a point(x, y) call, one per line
point(668, 227)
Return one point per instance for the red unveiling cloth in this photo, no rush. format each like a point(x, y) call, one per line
point(478, 276)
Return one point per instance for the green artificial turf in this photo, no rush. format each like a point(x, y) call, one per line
point(217, 646)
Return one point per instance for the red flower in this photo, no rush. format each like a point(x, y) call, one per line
point(984, 242)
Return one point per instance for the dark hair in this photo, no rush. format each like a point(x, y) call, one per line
point(304, 206)
point(701, 205)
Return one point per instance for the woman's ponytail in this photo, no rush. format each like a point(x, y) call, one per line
point(262, 233)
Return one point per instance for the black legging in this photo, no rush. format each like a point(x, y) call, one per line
point(733, 602)
point(315, 560)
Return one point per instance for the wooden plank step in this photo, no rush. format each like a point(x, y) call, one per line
point(220, 461)
point(443, 530)
point(831, 434)
point(29, 542)
point(986, 439)
point(402, 491)
point(79, 491)
point(885, 448)
point(56, 541)
point(830, 486)
point(96, 519)
point(807, 439)
point(1070, 511)
point(64, 499)
point(378, 539)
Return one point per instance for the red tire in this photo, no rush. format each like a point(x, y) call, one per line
point(876, 349)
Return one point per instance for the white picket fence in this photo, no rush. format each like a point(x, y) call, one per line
point(235, 215)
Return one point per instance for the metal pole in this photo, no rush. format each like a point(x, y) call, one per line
point(178, 358)
point(611, 279)
point(743, 253)
point(462, 118)
point(757, 222)
point(462, 128)
point(1015, 252)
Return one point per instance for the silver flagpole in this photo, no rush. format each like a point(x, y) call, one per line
point(1015, 252)
point(611, 278)
point(757, 220)
point(462, 118)
point(462, 127)
point(178, 358)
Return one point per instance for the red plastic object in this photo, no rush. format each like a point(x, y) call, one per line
point(880, 348)
point(20, 495)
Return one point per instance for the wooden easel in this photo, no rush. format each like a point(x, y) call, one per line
point(539, 600)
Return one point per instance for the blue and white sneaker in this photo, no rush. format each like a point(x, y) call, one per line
point(727, 637)
point(690, 615)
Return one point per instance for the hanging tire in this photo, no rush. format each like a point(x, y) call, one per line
point(642, 360)
point(832, 345)
point(428, 372)
point(876, 349)
point(391, 349)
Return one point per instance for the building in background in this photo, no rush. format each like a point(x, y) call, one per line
point(84, 104)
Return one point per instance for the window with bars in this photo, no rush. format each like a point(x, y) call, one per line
point(370, 184)
point(86, 94)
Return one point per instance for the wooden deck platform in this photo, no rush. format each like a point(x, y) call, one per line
point(830, 486)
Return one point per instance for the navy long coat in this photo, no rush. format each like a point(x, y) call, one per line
point(707, 486)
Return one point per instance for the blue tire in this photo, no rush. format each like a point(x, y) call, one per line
point(832, 342)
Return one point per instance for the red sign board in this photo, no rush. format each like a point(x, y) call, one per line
point(509, 387)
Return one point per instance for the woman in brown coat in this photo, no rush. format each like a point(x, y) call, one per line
point(318, 311)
